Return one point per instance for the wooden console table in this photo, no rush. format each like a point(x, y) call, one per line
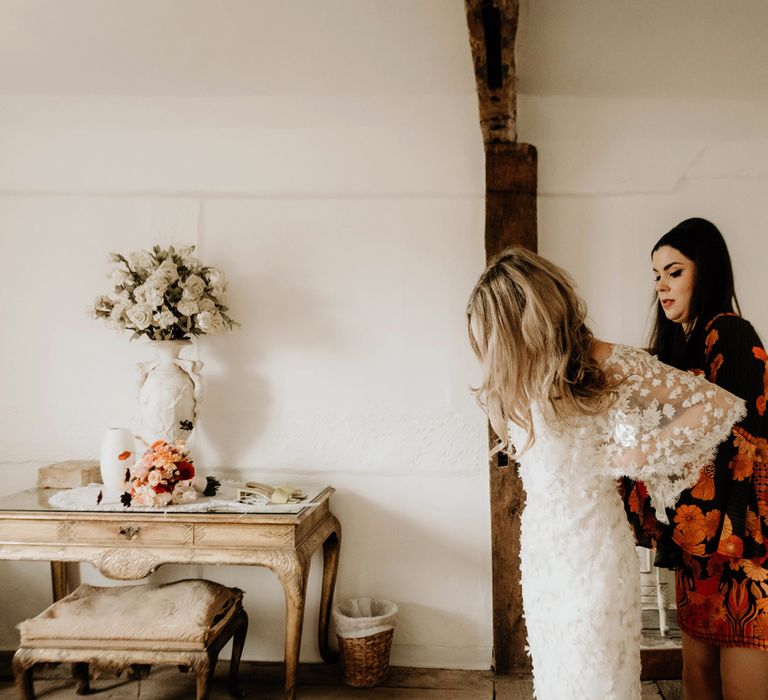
point(131, 545)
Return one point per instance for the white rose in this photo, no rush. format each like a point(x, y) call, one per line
point(168, 271)
point(207, 305)
point(183, 493)
point(156, 281)
point(140, 316)
point(209, 322)
point(186, 251)
point(194, 287)
point(145, 496)
point(141, 260)
point(187, 307)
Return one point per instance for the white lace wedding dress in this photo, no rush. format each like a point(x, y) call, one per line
point(580, 581)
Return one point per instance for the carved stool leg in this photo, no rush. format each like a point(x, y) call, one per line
point(22, 674)
point(205, 676)
point(238, 642)
point(139, 672)
point(81, 673)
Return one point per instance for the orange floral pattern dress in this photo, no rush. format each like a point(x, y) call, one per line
point(717, 537)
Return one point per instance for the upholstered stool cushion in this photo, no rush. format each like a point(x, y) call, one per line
point(180, 615)
point(185, 623)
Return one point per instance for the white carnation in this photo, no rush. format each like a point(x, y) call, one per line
point(216, 277)
point(154, 290)
point(119, 276)
point(140, 294)
point(192, 263)
point(165, 319)
point(117, 316)
point(218, 283)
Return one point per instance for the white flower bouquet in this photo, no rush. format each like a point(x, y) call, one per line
point(165, 295)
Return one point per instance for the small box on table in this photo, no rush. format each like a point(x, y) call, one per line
point(69, 474)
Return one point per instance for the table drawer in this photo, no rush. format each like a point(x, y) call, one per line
point(95, 532)
point(239, 536)
point(147, 533)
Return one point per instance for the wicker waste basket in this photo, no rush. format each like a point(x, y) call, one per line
point(364, 627)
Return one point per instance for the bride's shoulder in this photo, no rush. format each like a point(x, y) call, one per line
point(625, 361)
point(609, 354)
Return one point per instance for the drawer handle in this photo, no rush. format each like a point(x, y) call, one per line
point(130, 532)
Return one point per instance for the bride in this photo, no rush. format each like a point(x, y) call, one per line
point(577, 413)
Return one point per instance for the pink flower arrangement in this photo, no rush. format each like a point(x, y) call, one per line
point(162, 476)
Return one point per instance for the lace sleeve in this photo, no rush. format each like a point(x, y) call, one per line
point(664, 426)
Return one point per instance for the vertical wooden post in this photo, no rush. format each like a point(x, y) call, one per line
point(510, 219)
point(510, 197)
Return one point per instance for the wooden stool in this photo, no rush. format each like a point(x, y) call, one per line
point(185, 623)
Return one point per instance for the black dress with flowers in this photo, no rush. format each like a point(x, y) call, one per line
point(717, 539)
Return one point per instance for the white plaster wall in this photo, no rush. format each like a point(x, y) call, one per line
point(351, 244)
point(617, 173)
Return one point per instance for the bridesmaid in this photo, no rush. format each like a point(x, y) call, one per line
point(716, 540)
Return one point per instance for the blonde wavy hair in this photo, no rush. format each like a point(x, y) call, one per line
point(528, 327)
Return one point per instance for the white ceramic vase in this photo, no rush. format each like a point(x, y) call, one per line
point(170, 390)
point(117, 455)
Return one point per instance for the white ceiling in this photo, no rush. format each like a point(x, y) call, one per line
point(643, 48)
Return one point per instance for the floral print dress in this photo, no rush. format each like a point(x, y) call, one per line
point(718, 531)
point(581, 591)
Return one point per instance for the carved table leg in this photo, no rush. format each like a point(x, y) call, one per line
point(292, 570)
point(65, 577)
point(331, 547)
